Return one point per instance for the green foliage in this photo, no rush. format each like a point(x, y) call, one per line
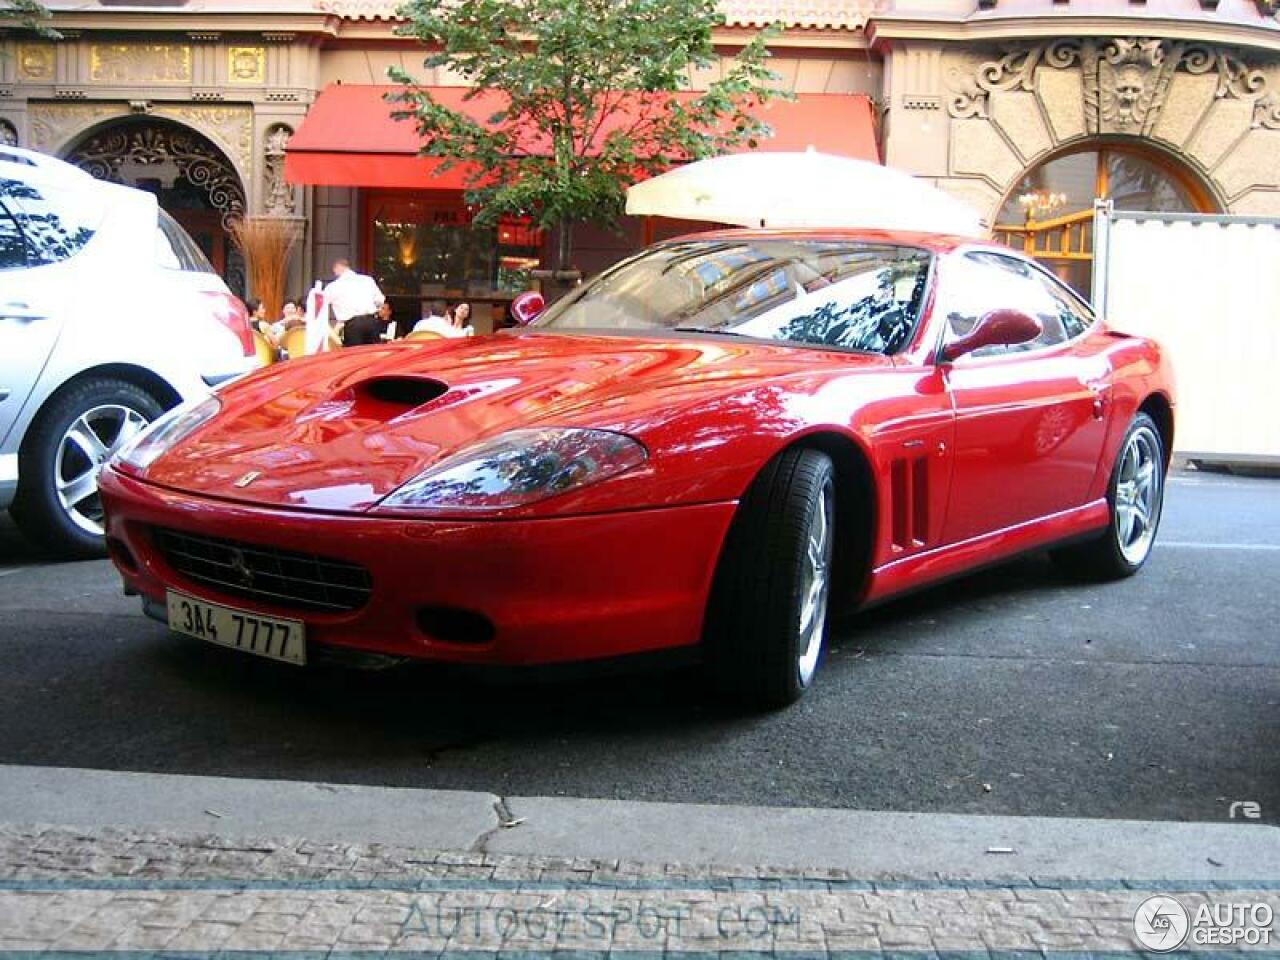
point(583, 93)
point(28, 14)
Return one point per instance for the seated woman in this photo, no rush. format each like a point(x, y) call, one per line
point(257, 311)
point(460, 319)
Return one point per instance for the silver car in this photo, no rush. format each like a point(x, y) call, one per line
point(109, 315)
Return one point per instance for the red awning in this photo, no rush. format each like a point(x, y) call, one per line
point(349, 138)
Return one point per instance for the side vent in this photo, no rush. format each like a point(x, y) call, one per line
point(909, 511)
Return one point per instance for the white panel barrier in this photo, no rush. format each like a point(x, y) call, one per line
point(1208, 288)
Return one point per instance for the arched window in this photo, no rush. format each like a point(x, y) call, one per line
point(1050, 212)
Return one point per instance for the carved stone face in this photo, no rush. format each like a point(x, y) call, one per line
point(1130, 83)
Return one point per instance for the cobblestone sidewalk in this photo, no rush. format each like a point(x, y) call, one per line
point(108, 890)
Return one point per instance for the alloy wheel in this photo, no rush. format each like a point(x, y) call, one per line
point(1138, 501)
point(815, 585)
point(86, 446)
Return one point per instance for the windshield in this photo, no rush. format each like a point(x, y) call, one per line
point(832, 293)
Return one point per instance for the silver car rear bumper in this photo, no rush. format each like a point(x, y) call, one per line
point(8, 478)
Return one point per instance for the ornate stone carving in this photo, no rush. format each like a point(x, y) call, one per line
point(277, 197)
point(246, 64)
point(1129, 74)
point(1125, 80)
point(1014, 71)
point(35, 61)
point(50, 126)
point(1266, 112)
point(158, 146)
point(140, 62)
point(8, 134)
point(229, 127)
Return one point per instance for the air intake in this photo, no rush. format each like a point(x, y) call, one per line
point(404, 392)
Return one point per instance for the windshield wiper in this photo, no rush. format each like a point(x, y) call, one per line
point(721, 331)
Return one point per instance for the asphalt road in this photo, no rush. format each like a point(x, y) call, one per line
point(1014, 691)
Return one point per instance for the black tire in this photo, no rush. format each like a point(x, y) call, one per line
point(36, 508)
point(754, 634)
point(1104, 557)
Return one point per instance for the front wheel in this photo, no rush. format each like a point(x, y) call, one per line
point(767, 616)
point(1136, 498)
point(65, 449)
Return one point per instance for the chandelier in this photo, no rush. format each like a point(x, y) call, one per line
point(1036, 204)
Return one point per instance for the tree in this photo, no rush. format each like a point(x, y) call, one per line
point(586, 100)
point(28, 14)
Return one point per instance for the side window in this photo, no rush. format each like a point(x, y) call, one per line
point(175, 250)
point(54, 232)
point(1075, 315)
point(980, 282)
point(13, 248)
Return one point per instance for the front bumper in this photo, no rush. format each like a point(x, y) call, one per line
point(556, 590)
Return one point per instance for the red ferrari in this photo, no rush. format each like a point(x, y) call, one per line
point(702, 449)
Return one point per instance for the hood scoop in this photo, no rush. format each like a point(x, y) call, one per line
point(383, 397)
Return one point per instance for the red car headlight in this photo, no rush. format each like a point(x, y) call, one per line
point(162, 434)
point(517, 468)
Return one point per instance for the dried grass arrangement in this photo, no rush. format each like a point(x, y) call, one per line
point(266, 244)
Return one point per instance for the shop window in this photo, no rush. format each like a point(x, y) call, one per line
point(1050, 212)
point(424, 245)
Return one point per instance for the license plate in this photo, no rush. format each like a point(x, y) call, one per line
point(238, 629)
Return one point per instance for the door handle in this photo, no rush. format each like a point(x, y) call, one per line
point(15, 310)
point(1100, 393)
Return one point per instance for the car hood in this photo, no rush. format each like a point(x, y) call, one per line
point(341, 431)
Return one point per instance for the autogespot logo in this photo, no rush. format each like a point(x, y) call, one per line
point(1161, 923)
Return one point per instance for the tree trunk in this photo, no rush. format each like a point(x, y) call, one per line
point(556, 283)
point(565, 254)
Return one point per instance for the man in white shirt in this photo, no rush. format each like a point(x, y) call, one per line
point(353, 299)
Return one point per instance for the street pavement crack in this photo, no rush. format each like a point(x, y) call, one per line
point(506, 820)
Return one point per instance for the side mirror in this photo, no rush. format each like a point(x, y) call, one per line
point(526, 307)
point(999, 328)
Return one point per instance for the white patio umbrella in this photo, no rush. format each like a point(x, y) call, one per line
point(808, 189)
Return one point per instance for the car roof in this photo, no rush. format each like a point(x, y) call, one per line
point(18, 163)
point(935, 242)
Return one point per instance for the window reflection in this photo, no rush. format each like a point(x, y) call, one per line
point(842, 294)
point(51, 235)
point(976, 283)
point(1049, 214)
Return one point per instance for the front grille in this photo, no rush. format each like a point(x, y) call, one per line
point(300, 581)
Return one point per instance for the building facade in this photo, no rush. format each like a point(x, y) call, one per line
point(1028, 109)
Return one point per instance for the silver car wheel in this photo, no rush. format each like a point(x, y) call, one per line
point(815, 585)
point(1137, 506)
point(86, 446)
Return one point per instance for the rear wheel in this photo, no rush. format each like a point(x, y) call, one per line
point(1136, 498)
point(766, 620)
point(57, 504)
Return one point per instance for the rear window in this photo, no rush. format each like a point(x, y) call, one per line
point(13, 249)
point(55, 226)
point(176, 250)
